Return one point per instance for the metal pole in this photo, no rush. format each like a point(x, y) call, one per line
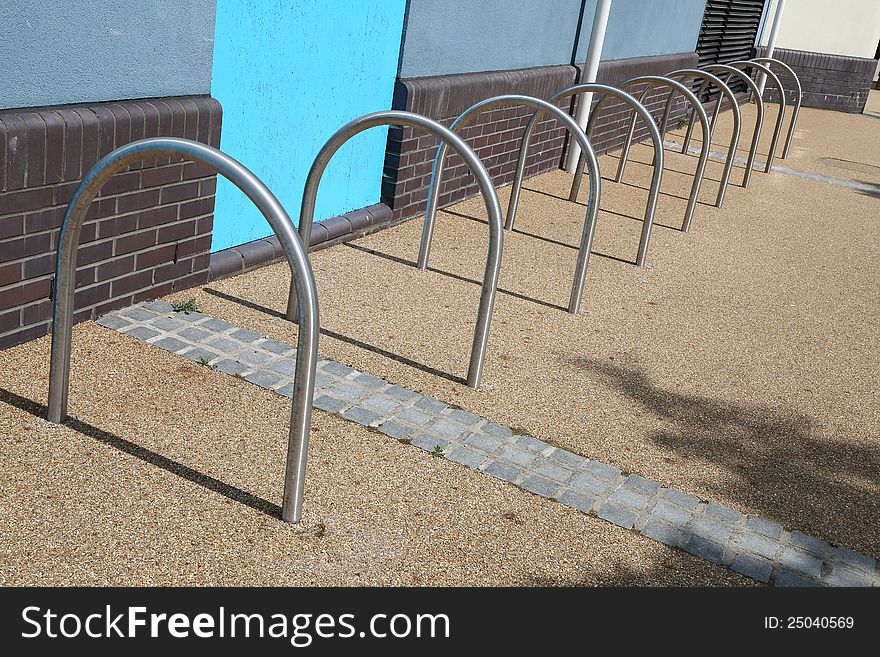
point(759, 120)
point(797, 100)
point(674, 86)
point(487, 189)
point(689, 73)
point(588, 76)
point(771, 42)
point(303, 281)
point(780, 117)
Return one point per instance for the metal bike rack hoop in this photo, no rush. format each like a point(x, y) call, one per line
point(605, 92)
point(797, 101)
point(780, 117)
point(759, 120)
point(589, 230)
point(652, 81)
point(487, 189)
point(303, 285)
point(687, 74)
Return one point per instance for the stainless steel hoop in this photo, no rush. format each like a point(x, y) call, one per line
point(797, 101)
point(487, 189)
point(540, 106)
point(780, 117)
point(652, 81)
point(605, 92)
point(687, 74)
point(759, 120)
point(303, 286)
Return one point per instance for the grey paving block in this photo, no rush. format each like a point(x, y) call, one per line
point(215, 325)
point(592, 485)
point(360, 415)
point(758, 544)
point(641, 484)
point(170, 344)
point(619, 515)
point(255, 356)
point(230, 366)
point(671, 513)
point(429, 443)
point(396, 430)
point(723, 513)
point(283, 366)
point(380, 403)
point(497, 430)
point(447, 429)
point(191, 317)
point(114, 322)
point(527, 442)
point(789, 579)
point(462, 417)
point(159, 307)
point(263, 379)
point(711, 529)
point(413, 416)
point(337, 368)
point(167, 324)
point(194, 334)
point(629, 498)
point(502, 471)
point(285, 391)
point(842, 576)
point(567, 458)
point(142, 333)
point(482, 442)
point(276, 346)
point(401, 394)
point(520, 457)
point(681, 499)
point(579, 501)
point(244, 335)
point(224, 345)
point(137, 313)
point(855, 559)
point(764, 526)
point(540, 486)
point(430, 405)
point(664, 533)
point(466, 456)
point(321, 380)
point(554, 471)
point(749, 566)
point(801, 562)
point(201, 355)
point(369, 381)
point(348, 391)
point(701, 547)
point(809, 543)
point(602, 471)
point(329, 404)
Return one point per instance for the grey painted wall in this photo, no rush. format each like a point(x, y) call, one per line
point(58, 51)
point(463, 36)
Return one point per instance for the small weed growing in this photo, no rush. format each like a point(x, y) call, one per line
point(207, 362)
point(682, 122)
point(438, 452)
point(186, 307)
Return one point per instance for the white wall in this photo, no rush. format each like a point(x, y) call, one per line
point(841, 27)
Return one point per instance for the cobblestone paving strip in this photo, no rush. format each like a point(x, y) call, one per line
point(752, 546)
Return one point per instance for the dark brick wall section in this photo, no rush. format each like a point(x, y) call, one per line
point(833, 82)
point(496, 134)
point(147, 234)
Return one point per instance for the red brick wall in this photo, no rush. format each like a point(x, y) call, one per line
point(148, 233)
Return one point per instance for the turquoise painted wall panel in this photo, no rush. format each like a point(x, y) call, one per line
point(288, 74)
point(56, 52)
